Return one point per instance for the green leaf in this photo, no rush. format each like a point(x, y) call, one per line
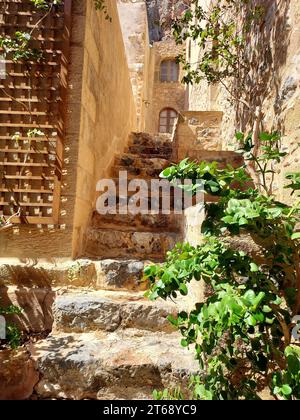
point(286, 390)
point(184, 343)
point(183, 289)
point(251, 321)
point(254, 268)
point(239, 136)
point(295, 236)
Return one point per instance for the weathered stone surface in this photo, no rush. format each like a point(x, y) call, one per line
point(143, 222)
point(47, 275)
point(18, 375)
point(119, 274)
point(117, 243)
point(150, 140)
point(128, 159)
point(18, 279)
point(108, 311)
point(124, 365)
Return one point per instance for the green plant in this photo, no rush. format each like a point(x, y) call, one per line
point(13, 334)
point(74, 272)
point(222, 31)
point(166, 394)
point(19, 47)
point(242, 331)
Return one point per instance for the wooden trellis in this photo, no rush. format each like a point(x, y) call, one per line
point(32, 97)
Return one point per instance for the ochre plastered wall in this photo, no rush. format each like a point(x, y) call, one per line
point(108, 112)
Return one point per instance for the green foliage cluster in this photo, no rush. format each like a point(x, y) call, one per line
point(19, 47)
point(220, 37)
point(13, 334)
point(242, 332)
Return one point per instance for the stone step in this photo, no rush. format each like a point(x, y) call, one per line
point(82, 311)
point(39, 280)
point(151, 140)
point(103, 243)
point(151, 151)
point(138, 222)
point(121, 365)
point(130, 160)
point(136, 172)
point(222, 157)
point(148, 186)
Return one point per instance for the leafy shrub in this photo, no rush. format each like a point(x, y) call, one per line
point(242, 332)
point(13, 334)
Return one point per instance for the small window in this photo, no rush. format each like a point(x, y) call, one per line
point(169, 71)
point(167, 120)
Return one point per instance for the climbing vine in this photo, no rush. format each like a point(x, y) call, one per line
point(244, 332)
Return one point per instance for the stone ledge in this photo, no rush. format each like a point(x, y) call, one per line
point(103, 366)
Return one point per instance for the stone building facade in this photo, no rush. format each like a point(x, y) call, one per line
point(273, 49)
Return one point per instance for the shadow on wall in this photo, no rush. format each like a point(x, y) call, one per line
point(266, 53)
point(36, 304)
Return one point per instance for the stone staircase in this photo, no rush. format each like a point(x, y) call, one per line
point(108, 341)
point(110, 345)
point(139, 236)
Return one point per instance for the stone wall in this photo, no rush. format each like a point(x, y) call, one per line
point(198, 132)
point(108, 111)
point(164, 94)
point(134, 25)
point(161, 14)
point(273, 81)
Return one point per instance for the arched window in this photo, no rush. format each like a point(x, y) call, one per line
point(169, 71)
point(167, 120)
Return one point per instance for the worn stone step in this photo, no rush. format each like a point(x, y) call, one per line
point(120, 365)
point(148, 186)
point(118, 244)
point(151, 140)
point(39, 280)
point(130, 160)
point(222, 157)
point(162, 152)
point(137, 172)
point(138, 222)
point(83, 311)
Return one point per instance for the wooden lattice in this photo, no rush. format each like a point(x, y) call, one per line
point(32, 97)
